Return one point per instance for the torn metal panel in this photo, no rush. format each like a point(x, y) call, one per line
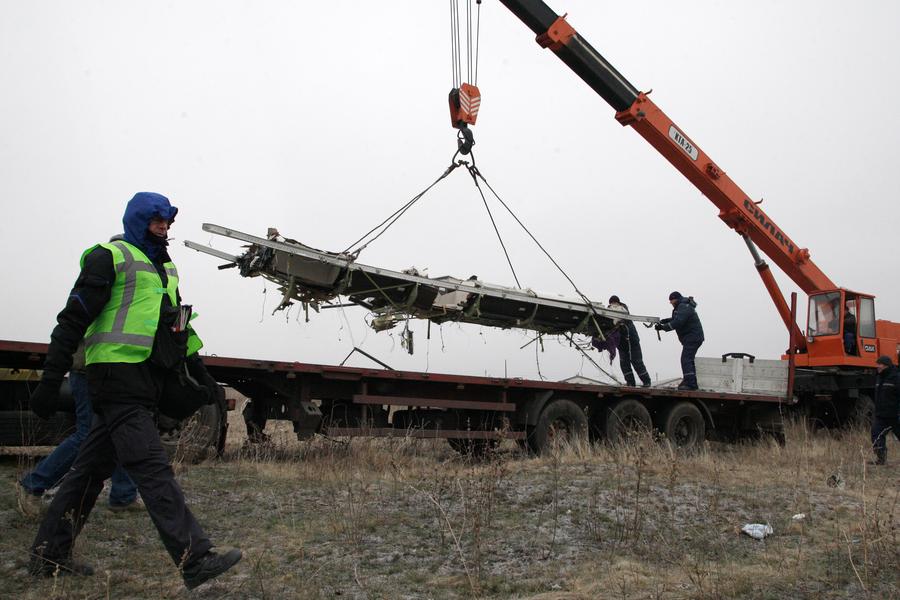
point(313, 277)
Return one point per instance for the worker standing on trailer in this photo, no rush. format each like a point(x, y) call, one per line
point(126, 306)
point(887, 404)
point(629, 346)
point(686, 323)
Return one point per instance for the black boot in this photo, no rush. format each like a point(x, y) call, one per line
point(208, 566)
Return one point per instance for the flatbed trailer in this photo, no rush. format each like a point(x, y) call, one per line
point(472, 413)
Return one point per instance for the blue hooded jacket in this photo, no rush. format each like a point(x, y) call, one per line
point(140, 211)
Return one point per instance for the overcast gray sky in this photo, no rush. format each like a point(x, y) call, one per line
point(321, 118)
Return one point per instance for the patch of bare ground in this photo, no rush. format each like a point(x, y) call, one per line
point(405, 518)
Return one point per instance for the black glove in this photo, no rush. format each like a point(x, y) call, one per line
point(44, 399)
point(660, 327)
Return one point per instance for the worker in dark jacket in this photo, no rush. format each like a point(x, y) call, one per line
point(887, 405)
point(126, 306)
point(686, 324)
point(849, 332)
point(629, 346)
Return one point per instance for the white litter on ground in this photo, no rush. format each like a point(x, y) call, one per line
point(757, 531)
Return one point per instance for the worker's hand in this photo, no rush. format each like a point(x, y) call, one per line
point(659, 327)
point(44, 399)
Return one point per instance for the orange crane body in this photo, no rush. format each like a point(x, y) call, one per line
point(824, 344)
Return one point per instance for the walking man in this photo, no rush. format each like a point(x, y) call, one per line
point(629, 346)
point(887, 404)
point(686, 323)
point(124, 304)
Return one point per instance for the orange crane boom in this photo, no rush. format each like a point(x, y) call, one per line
point(825, 343)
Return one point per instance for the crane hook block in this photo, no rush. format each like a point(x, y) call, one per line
point(464, 104)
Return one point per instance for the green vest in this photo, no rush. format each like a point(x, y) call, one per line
point(124, 330)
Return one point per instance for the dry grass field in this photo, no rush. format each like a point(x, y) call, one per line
point(412, 519)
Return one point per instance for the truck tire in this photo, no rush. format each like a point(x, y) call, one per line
point(196, 438)
point(684, 426)
point(627, 417)
point(561, 421)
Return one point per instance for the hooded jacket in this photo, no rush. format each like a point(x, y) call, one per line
point(141, 209)
point(685, 322)
point(93, 287)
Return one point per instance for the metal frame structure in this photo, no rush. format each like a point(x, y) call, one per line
point(315, 277)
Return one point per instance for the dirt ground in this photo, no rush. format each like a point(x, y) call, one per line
point(412, 519)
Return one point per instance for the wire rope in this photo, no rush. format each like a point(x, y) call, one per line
point(531, 235)
point(393, 217)
point(472, 171)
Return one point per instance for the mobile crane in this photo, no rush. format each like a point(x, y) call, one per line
point(834, 376)
point(835, 359)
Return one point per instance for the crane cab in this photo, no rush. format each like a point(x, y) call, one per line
point(841, 330)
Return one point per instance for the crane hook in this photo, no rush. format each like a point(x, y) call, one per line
point(464, 139)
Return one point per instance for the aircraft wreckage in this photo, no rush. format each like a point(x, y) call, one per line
point(317, 279)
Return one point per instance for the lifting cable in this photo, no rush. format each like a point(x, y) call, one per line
point(355, 248)
point(472, 53)
point(473, 171)
point(473, 45)
point(476, 173)
point(390, 220)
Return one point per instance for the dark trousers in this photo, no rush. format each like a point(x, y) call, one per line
point(53, 468)
point(127, 434)
point(688, 369)
point(881, 428)
point(630, 354)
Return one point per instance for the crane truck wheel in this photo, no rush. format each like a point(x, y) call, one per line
point(196, 438)
point(626, 418)
point(561, 421)
point(684, 426)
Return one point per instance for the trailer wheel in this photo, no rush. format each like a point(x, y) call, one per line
point(683, 426)
point(626, 418)
point(561, 421)
point(196, 438)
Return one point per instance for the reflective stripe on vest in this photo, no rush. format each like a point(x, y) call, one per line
point(113, 337)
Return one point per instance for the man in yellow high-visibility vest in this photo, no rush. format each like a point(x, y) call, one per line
point(126, 306)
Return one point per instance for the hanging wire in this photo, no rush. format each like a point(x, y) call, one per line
point(473, 44)
point(262, 315)
point(472, 171)
point(455, 47)
point(347, 321)
point(469, 40)
point(393, 217)
point(477, 42)
point(452, 46)
point(531, 235)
